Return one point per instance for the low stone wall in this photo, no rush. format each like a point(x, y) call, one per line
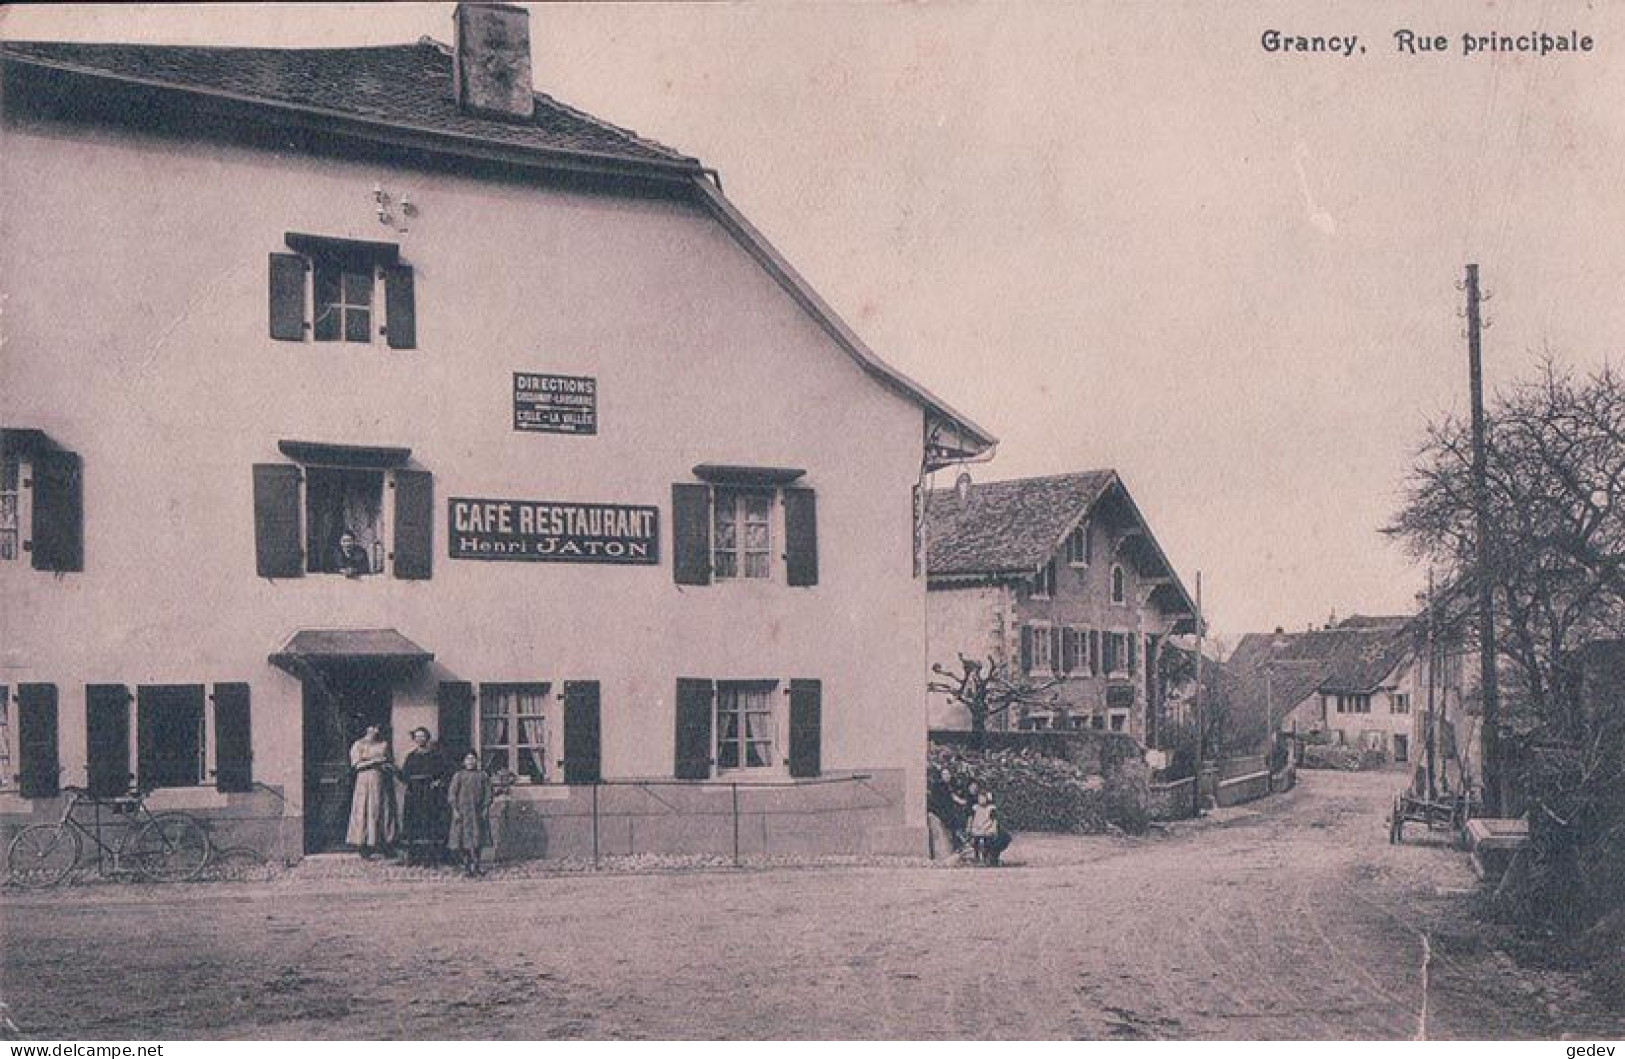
point(833, 815)
point(1175, 800)
point(1232, 767)
point(1241, 789)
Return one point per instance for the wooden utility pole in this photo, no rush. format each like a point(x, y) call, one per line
point(1196, 791)
point(1432, 716)
point(1494, 788)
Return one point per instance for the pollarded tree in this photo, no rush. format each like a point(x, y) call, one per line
point(990, 689)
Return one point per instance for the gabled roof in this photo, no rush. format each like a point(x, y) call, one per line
point(1008, 530)
point(403, 96)
point(404, 86)
point(1352, 658)
point(1010, 527)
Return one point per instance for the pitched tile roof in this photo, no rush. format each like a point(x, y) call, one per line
point(1008, 527)
point(1354, 657)
point(400, 86)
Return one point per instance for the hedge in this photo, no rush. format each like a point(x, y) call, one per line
point(1034, 792)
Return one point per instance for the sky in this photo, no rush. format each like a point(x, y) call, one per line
point(1125, 235)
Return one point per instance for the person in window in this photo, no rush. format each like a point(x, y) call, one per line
point(351, 558)
point(425, 772)
point(372, 806)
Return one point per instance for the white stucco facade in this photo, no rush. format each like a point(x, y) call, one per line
point(135, 334)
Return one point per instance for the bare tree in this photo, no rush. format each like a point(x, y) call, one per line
point(1555, 457)
point(990, 689)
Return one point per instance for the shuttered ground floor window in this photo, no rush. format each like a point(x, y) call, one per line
point(516, 727)
point(731, 727)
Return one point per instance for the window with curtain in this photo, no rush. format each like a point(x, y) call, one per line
point(745, 725)
point(341, 500)
point(742, 535)
point(513, 729)
point(10, 507)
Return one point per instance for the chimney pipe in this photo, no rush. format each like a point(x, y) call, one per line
point(491, 61)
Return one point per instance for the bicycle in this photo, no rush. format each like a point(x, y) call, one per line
point(156, 847)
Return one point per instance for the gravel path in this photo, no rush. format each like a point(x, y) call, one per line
point(1294, 919)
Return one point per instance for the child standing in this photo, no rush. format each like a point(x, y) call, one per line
point(984, 828)
point(470, 795)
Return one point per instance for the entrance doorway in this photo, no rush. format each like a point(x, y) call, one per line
point(1402, 748)
point(339, 703)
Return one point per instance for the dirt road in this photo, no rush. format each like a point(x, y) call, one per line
point(1294, 920)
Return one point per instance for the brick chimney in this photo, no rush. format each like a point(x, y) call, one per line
point(491, 61)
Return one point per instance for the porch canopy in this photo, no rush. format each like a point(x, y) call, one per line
point(384, 649)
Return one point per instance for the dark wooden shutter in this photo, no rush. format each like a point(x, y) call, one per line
point(39, 766)
point(107, 738)
point(1055, 648)
point(800, 537)
point(806, 727)
point(1133, 652)
point(233, 739)
point(691, 534)
point(169, 735)
point(693, 751)
point(59, 516)
point(1069, 649)
point(278, 551)
point(583, 738)
point(1097, 661)
point(456, 702)
point(400, 311)
point(414, 525)
point(288, 297)
point(1026, 648)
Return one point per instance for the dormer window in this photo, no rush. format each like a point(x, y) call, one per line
point(340, 277)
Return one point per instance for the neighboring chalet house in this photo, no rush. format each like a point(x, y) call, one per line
point(1061, 578)
point(624, 500)
point(1361, 682)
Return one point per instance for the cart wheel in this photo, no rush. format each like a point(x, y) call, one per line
point(171, 847)
point(42, 855)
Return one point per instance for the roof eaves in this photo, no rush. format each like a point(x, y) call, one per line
point(422, 137)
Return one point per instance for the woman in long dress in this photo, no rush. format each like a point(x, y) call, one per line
point(372, 806)
point(423, 817)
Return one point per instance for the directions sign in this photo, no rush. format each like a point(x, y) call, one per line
point(549, 531)
point(555, 404)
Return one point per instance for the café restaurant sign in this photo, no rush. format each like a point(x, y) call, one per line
point(549, 531)
point(555, 404)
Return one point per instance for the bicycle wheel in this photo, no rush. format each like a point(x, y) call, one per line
point(42, 855)
point(171, 847)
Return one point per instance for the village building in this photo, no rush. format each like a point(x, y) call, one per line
point(370, 386)
point(1361, 682)
point(1059, 579)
